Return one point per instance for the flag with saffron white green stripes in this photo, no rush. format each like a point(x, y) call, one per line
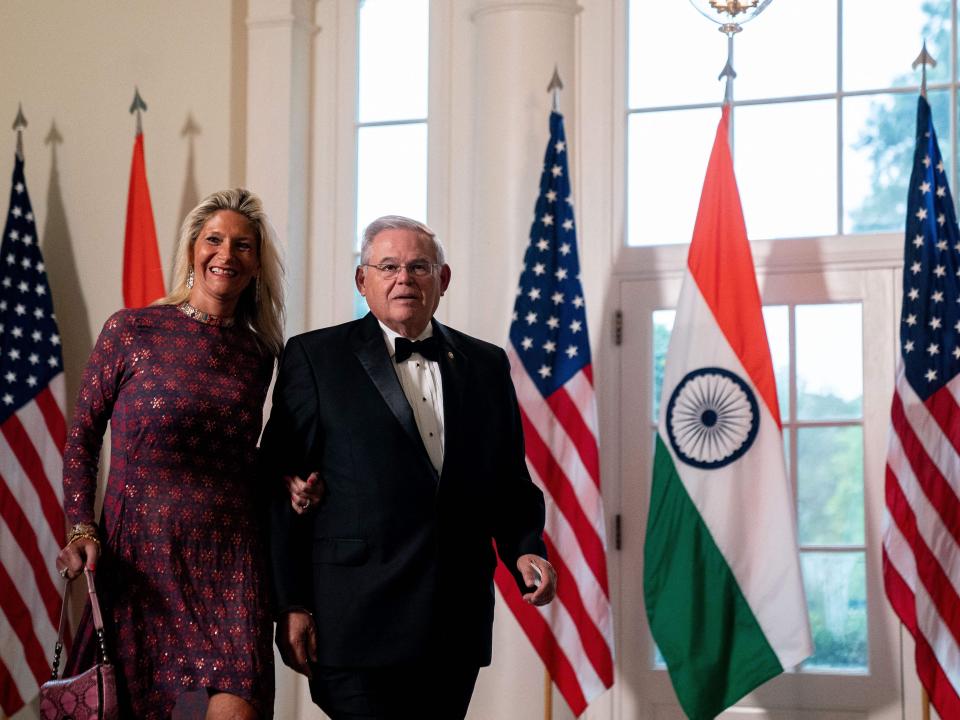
point(722, 582)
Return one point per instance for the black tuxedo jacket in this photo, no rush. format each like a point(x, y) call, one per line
point(396, 564)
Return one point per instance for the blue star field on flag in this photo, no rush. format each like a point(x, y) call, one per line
point(549, 327)
point(930, 319)
point(30, 353)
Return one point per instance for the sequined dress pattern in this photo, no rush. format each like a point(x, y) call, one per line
point(183, 577)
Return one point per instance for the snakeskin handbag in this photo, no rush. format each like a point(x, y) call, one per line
point(91, 695)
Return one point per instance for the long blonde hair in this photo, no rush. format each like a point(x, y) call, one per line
point(260, 308)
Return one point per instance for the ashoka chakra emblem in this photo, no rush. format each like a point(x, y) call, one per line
point(712, 418)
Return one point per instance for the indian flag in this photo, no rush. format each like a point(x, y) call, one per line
point(722, 580)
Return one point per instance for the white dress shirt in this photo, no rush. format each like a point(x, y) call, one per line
point(421, 383)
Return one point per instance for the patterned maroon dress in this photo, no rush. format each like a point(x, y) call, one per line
point(183, 574)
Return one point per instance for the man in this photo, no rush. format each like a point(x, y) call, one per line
point(385, 589)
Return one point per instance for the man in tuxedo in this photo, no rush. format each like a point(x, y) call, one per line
point(384, 589)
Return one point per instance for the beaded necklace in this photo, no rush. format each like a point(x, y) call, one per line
point(191, 312)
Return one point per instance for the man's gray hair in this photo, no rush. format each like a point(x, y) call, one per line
point(399, 222)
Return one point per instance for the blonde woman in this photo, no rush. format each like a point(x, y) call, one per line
point(179, 549)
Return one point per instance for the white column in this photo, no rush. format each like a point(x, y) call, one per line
point(279, 37)
point(518, 43)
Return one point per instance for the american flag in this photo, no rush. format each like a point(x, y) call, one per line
point(921, 542)
point(32, 434)
point(550, 363)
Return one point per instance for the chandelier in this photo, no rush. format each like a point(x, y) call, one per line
point(730, 14)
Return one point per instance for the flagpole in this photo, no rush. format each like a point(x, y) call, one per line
point(550, 289)
point(19, 124)
point(138, 106)
point(728, 71)
point(555, 86)
point(924, 59)
point(142, 273)
point(548, 696)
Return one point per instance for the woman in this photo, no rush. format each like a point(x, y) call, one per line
point(182, 572)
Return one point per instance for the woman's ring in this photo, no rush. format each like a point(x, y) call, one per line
point(63, 573)
point(304, 505)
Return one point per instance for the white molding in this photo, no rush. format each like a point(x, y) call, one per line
point(822, 254)
point(280, 45)
point(341, 111)
point(270, 13)
point(489, 7)
point(283, 21)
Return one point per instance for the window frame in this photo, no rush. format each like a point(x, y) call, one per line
point(876, 285)
point(802, 263)
point(334, 208)
point(952, 87)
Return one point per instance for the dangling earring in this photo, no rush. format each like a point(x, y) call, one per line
point(256, 294)
point(190, 279)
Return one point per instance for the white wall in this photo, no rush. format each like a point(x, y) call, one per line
point(76, 65)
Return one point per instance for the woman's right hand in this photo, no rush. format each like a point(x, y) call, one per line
point(77, 555)
point(304, 494)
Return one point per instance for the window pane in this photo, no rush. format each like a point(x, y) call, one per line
point(776, 318)
point(836, 589)
point(391, 172)
point(786, 163)
point(830, 485)
point(666, 162)
point(765, 53)
point(829, 361)
point(394, 43)
point(678, 67)
point(881, 36)
point(662, 327)
point(879, 134)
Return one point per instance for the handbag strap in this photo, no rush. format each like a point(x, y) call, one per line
point(97, 624)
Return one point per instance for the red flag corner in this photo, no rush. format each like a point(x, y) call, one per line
point(142, 274)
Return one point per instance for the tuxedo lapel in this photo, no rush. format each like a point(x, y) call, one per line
point(371, 351)
point(453, 374)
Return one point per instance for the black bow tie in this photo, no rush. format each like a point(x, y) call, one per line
point(428, 348)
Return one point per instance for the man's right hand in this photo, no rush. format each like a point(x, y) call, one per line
point(297, 640)
point(304, 494)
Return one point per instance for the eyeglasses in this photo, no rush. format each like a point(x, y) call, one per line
point(417, 268)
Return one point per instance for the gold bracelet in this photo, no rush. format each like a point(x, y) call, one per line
point(84, 536)
point(82, 528)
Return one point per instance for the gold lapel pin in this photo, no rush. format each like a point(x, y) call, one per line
point(450, 355)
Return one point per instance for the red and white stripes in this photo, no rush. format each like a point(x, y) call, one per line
point(574, 634)
point(921, 540)
point(31, 533)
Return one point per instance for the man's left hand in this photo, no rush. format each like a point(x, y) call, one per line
point(545, 581)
